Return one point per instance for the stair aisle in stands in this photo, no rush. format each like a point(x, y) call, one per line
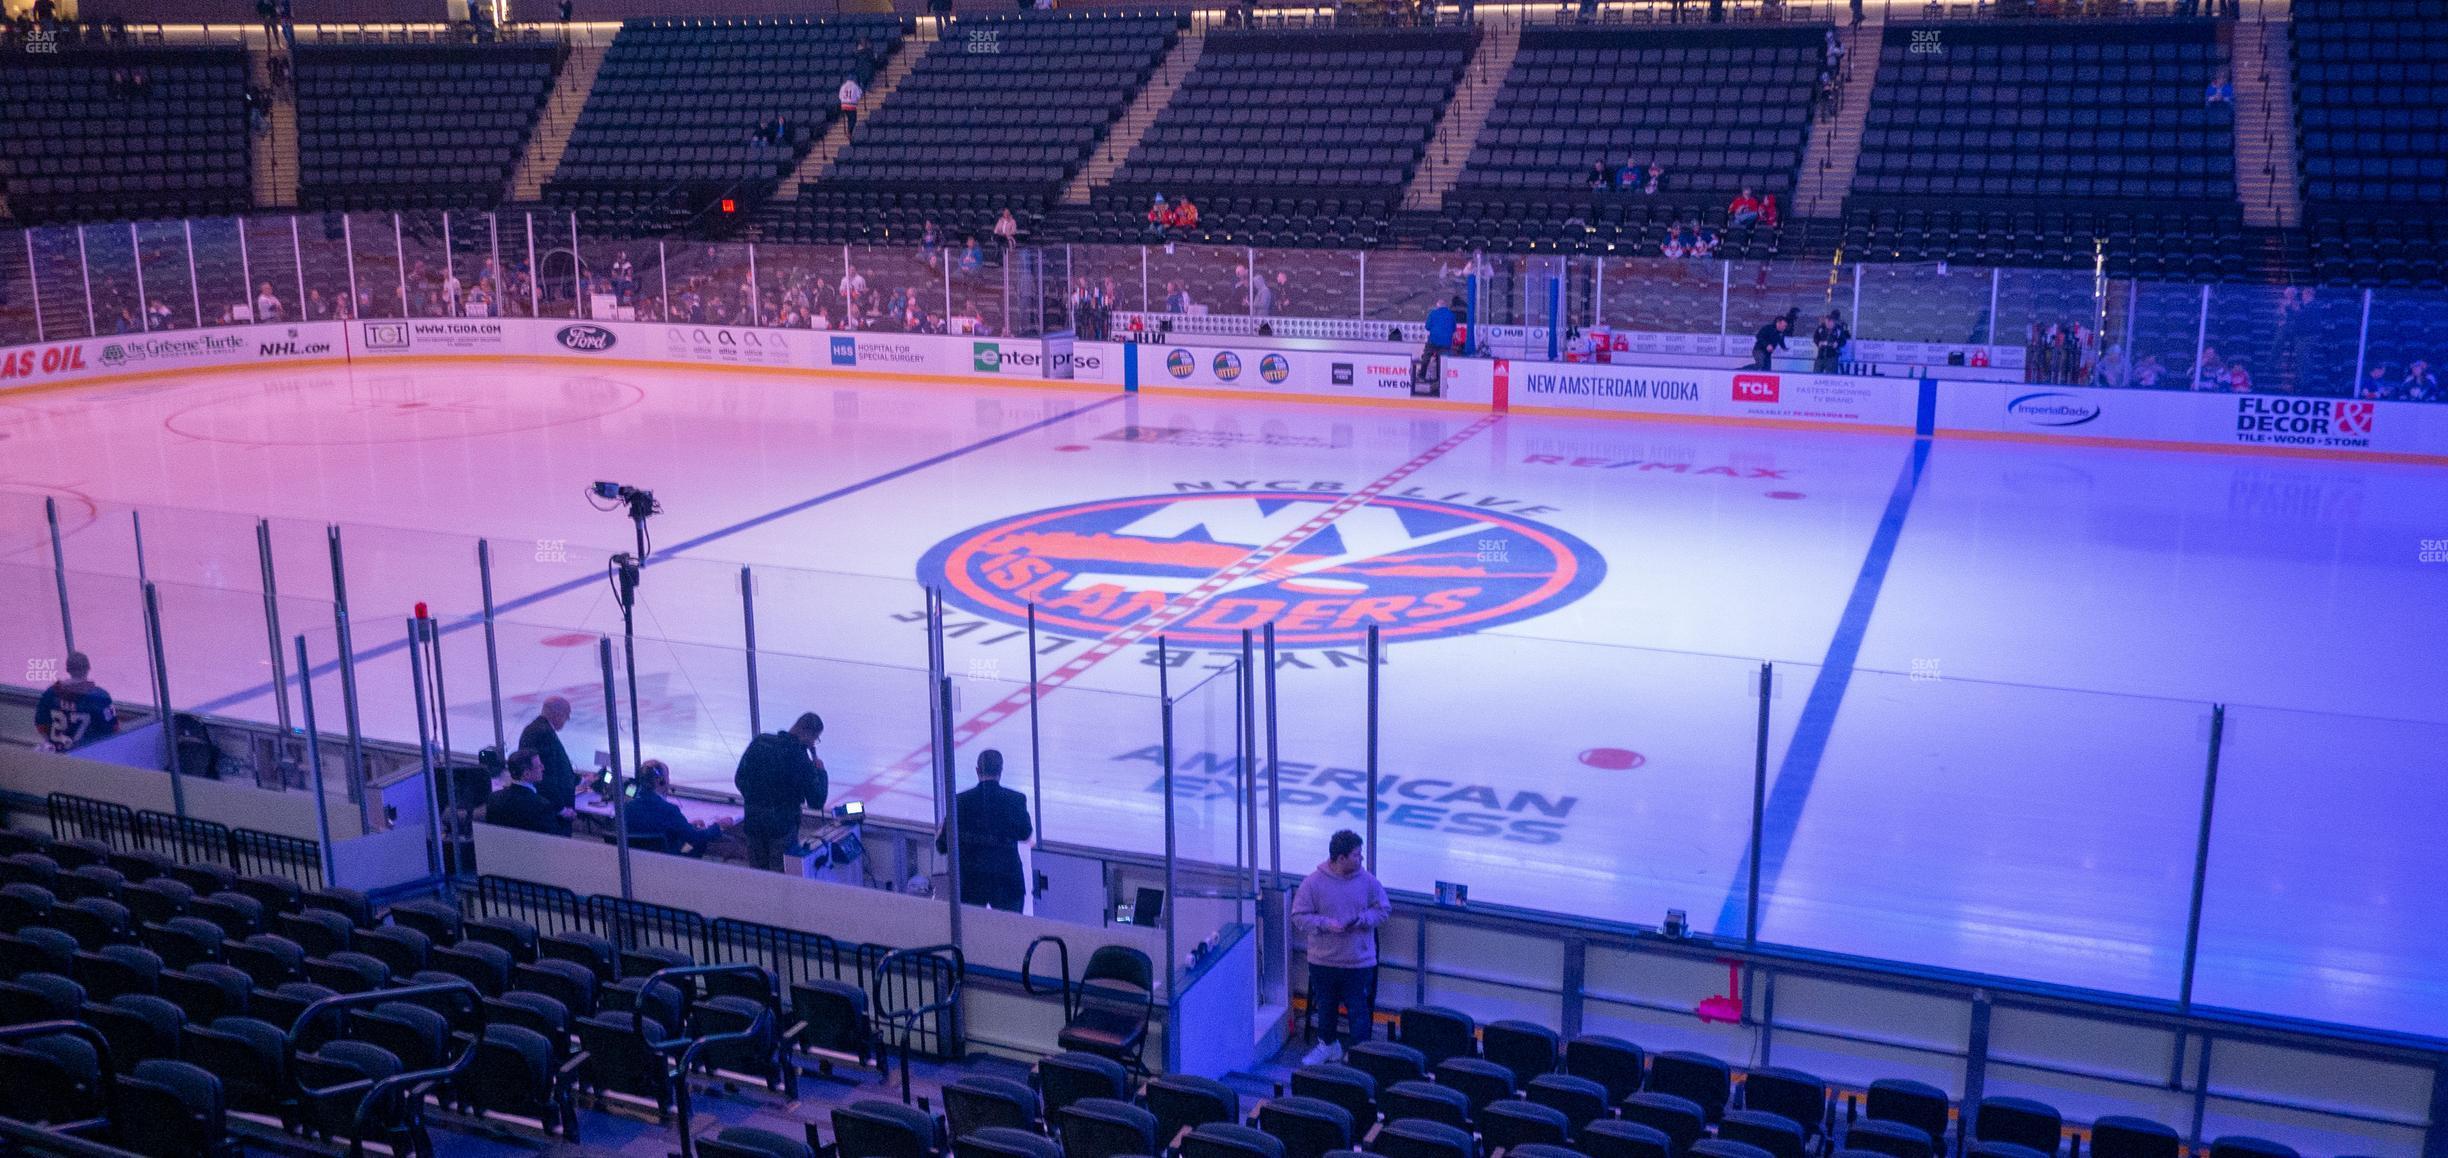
point(904, 59)
point(1465, 117)
point(2265, 125)
point(1835, 146)
point(1125, 134)
point(560, 115)
point(274, 157)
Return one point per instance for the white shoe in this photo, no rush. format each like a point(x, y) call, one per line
point(1319, 1053)
point(1338, 1053)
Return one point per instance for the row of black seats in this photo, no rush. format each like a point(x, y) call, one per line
point(231, 979)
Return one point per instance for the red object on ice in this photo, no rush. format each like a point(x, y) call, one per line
point(1727, 1006)
point(421, 612)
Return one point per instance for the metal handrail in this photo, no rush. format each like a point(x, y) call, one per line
point(691, 1047)
point(377, 1092)
point(1028, 976)
point(907, 1019)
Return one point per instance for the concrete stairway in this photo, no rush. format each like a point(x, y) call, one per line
point(273, 156)
point(1465, 116)
point(550, 137)
point(1836, 137)
point(837, 134)
point(2265, 124)
point(1125, 133)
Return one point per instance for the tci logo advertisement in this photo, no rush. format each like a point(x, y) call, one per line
point(1416, 568)
point(1227, 365)
point(845, 351)
point(592, 339)
point(1181, 363)
point(1274, 368)
point(387, 336)
point(2053, 408)
point(1757, 388)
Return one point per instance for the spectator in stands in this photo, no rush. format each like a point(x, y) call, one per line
point(1830, 340)
point(2148, 372)
point(1177, 298)
point(128, 322)
point(1159, 220)
point(542, 736)
point(1185, 215)
point(1704, 239)
point(930, 243)
point(1768, 211)
point(1601, 176)
point(452, 292)
point(1339, 907)
point(2111, 369)
point(480, 301)
point(651, 813)
point(1007, 230)
point(565, 10)
point(1744, 211)
point(972, 258)
point(850, 93)
point(993, 820)
point(1629, 176)
point(2420, 384)
point(2238, 378)
point(865, 60)
point(2220, 91)
point(2210, 371)
point(1769, 341)
point(624, 277)
point(75, 711)
point(517, 804)
point(777, 774)
point(1653, 179)
point(267, 306)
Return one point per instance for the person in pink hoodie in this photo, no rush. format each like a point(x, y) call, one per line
point(1339, 907)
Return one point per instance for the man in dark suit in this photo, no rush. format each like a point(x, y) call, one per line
point(542, 736)
point(993, 820)
point(516, 804)
point(777, 774)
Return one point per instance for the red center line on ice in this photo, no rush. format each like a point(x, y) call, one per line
point(1175, 610)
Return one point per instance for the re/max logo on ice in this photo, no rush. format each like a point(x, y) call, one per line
point(1427, 804)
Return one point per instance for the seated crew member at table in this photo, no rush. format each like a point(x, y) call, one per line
point(517, 805)
point(650, 813)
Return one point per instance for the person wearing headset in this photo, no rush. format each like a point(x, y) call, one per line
point(650, 813)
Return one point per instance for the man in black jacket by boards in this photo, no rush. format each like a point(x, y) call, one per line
point(993, 822)
point(542, 736)
point(777, 775)
point(517, 804)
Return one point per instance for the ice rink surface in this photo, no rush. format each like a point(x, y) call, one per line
point(1991, 666)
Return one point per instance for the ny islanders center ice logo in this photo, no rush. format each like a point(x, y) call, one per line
point(1213, 564)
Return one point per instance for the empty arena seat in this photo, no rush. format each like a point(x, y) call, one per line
point(1721, 109)
point(1342, 117)
point(97, 132)
point(1230, 1140)
point(2079, 132)
point(2121, 1136)
point(951, 147)
point(1186, 1101)
point(677, 104)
